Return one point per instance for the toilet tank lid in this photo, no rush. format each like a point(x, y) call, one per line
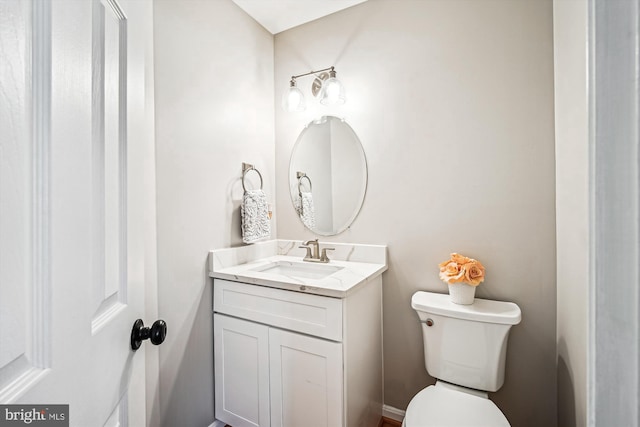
point(482, 310)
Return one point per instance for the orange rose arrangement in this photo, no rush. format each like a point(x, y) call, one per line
point(461, 269)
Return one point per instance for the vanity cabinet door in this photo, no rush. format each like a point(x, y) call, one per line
point(241, 361)
point(306, 381)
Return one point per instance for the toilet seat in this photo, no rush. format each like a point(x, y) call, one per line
point(445, 405)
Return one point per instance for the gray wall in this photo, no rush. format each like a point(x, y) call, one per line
point(453, 102)
point(572, 207)
point(214, 110)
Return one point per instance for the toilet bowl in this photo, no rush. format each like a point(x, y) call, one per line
point(465, 349)
point(448, 405)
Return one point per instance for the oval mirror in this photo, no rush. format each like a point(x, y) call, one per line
point(327, 176)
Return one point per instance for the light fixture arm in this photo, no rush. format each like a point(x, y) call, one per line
point(330, 69)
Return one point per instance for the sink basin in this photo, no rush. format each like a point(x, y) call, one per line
point(298, 269)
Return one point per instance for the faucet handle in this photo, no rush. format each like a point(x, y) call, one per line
point(308, 251)
point(324, 257)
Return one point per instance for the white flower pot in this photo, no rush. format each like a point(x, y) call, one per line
point(461, 293)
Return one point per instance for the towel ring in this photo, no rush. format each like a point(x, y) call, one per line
point(247, 168)
point(301, 175)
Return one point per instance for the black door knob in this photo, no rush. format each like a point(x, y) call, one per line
point(156, 334)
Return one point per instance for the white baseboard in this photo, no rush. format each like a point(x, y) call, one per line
point(387, 411)
point(392, 413)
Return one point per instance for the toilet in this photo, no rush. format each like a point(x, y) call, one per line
point(464, 349)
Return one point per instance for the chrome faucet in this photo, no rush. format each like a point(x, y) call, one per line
point(314, 255)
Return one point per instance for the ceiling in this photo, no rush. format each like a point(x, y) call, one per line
point(280, 15)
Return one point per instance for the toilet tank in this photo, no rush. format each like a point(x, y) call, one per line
point(465, 344)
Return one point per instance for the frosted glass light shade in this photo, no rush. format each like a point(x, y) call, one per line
point(293, 100)
point(332, 92)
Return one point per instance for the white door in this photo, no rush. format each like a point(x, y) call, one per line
point(74, 182)
point(306, 380)
point(241, 372)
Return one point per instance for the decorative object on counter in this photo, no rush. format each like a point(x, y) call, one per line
point(462, 274)
point(254, 210)
point(326, 87)
point(304, 203)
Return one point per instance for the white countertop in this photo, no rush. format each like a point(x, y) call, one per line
point(340, 284)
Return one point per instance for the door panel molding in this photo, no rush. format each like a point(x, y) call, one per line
point(109, 156)
point(21, 374)
point(41, 60)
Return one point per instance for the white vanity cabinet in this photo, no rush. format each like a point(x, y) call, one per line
point(295, 359)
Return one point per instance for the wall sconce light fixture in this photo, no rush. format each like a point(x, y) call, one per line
point(326, 87)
